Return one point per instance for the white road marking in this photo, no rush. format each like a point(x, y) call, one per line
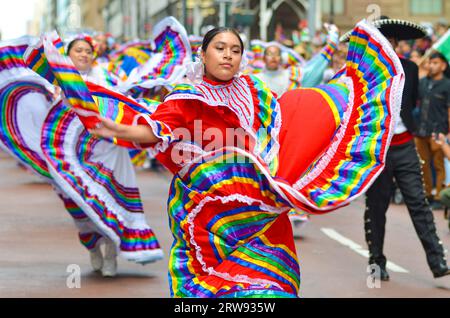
point(358, 249)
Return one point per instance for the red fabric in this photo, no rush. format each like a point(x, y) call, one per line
point(307, 129)
point(401, 139)
point(183, 114)
point(323, 178)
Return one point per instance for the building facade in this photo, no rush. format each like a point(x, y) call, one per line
point(131, 19)
point(346, 13)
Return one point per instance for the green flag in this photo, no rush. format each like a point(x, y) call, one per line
point(443, 45)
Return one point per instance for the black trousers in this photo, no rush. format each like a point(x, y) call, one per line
point(403, 165)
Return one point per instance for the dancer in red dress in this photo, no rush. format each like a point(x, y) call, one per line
point(242, 159)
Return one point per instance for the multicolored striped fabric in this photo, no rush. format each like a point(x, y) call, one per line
point(165, 66)
point(88, 238)
point(26, 120)
point(374, 81)
point(119, 54)
point(15, 129)
point(108, 78)
point(232, 234)
point(148, 103)
point(60, 68)
point(268, 125)
point(35, 57)
point(104, 190)
point(24, 100)
point(195, 43)
point(126, 111)
point(131, 55)
point(328, 51)
point(88, 106)
point(295, 77)
point(138, 157)
point(337, 95)
point(182, 90)
point(11, 53)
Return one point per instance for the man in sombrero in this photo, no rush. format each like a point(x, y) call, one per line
point(403, 166)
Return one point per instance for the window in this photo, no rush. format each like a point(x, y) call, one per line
point(338, 6)
point(429, 7)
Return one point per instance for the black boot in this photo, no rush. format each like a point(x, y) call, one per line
point(441, 271)
point(384, 275)
point(379, 271)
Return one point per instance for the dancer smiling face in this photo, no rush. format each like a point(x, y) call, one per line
point(221, 54)
point(81, 53)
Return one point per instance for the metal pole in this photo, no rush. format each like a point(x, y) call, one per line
point(222, 13)
point(262, 20)
point(312, 18)
point(183, 13)
point(332, 11)
point(247, 28)
point(318, 15)
point(198, 18)
point(54, 21)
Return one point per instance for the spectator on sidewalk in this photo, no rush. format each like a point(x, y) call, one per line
point(434, 103)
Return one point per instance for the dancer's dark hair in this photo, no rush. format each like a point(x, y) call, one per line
point(72, 43)
point(212, 33)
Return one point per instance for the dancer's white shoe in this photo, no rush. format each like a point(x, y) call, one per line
point(110, 260)
point(96, 257)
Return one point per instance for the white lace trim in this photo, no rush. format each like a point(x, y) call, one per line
point(9, 76)
point(196, 150)
point(275, 134)
point(160, 146)
point(238, 87)
point(135, 221)
point(244, 113)
point(211, 270)
point(262, 168)
point(395, 104)
point(27, 77)
point(143, 257)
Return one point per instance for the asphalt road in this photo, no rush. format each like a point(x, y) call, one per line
point(39, 244)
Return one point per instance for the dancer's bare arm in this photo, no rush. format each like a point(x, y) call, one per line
point(141, 134)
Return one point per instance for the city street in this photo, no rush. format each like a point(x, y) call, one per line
point(38, 242)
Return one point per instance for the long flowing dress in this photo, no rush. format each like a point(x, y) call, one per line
point(49, 140)
point(315, 150)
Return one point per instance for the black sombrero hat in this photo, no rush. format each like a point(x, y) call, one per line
point(395, 28)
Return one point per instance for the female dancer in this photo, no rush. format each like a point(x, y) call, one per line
point(314, 149)
point(27, 131)
point(97, 175)
point(105, 185)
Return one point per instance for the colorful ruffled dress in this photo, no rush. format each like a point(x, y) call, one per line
point(94, 178)
point(315, 150)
